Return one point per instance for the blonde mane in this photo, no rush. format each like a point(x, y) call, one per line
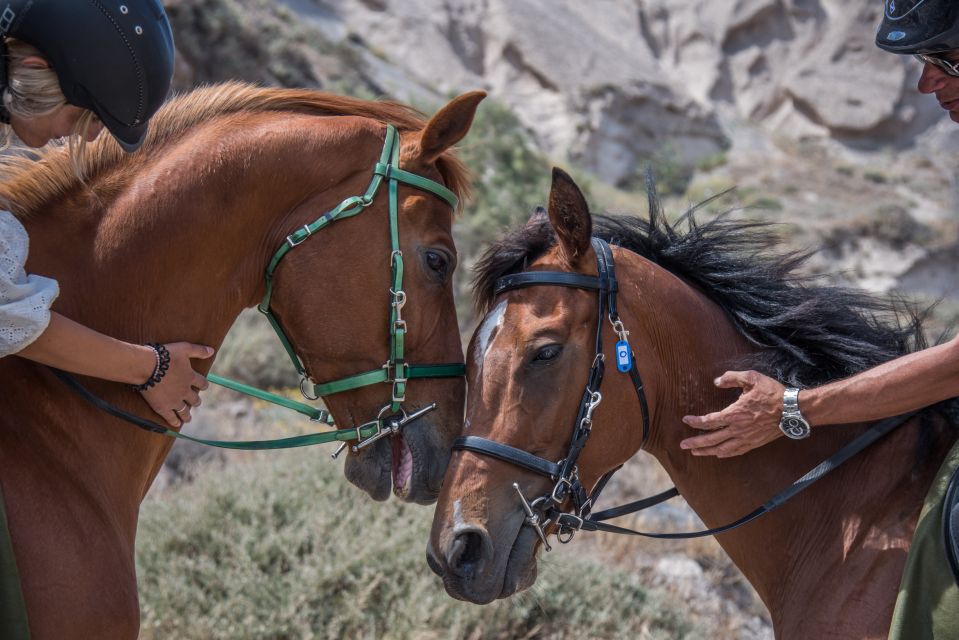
point(29, 184)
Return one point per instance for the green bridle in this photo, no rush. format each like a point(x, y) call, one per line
point(396, 370)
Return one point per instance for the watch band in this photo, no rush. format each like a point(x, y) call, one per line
point(791, 400)
point(793, 424)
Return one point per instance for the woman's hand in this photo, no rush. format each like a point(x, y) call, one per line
point(177, 393)
point(750, 422)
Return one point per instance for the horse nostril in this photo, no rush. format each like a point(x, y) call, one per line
point(465, 555)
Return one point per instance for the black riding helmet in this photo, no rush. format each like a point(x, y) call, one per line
point(113, 57)
point(919, 26)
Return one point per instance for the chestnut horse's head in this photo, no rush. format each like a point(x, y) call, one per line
point(381, 341)
point(345, 204)
point(527, 367)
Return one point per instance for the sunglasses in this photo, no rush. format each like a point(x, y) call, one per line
point(951, 68)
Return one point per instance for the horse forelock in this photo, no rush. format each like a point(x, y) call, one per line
point(27, 184)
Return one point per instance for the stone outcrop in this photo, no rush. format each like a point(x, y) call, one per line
point(609, 83)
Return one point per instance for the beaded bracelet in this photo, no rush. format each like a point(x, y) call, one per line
point(163, 363)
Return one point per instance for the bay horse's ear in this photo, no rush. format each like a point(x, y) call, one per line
point(569, 215)
point(538, 215)
point(449, 125)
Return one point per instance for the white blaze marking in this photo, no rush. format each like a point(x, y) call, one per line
point(457, 514)
point(493, 320)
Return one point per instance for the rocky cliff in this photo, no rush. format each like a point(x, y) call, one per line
point(607, 84)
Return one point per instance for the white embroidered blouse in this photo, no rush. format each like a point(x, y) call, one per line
point(24, 299)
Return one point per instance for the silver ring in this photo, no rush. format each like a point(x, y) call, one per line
point(186, 406)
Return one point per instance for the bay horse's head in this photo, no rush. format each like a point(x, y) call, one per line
point(527, 366)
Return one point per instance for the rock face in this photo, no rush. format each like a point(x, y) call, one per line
point(610, 83)
point(577, 74)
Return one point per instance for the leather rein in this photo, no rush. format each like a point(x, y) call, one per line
point(548, 509)
point(396, 371)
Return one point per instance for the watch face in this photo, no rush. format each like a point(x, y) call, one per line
point(794, 427)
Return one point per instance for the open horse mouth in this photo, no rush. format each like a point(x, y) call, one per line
point(402, 466)
point(409, 464)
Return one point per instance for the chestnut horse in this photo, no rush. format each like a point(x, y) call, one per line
point(172, 243)
point(827, 564)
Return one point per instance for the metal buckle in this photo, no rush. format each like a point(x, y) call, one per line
point(566, 532)
point(532, 518)
point(293, 243)
point(391, 372)
point(559, 485)
point(303, 382)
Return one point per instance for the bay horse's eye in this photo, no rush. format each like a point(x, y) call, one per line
point(547, 354)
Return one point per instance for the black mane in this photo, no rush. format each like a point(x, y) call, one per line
point(808, 332)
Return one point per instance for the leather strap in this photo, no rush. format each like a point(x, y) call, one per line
point(857, 445)
point(557, 278)
point(507, 453)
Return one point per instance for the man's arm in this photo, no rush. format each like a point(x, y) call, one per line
point(910, 382)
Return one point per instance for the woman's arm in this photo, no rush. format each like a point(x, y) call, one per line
point(70, 346)
point(907, 383)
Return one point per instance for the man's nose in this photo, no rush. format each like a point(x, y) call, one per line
point(932, 79)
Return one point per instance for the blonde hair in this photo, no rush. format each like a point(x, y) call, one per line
point(33, 90)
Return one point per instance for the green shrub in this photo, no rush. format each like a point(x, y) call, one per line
point(282, 547)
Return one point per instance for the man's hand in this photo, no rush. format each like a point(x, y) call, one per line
point(750, 422)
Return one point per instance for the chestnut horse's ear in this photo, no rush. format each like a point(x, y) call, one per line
point(569, 215)
point(449, 125)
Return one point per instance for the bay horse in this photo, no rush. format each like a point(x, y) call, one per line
point(827, 563)
point(172, 243)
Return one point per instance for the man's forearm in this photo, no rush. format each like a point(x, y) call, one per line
point(70, 346)
point(904, 384)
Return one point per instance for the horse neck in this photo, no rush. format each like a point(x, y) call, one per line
point(856, 522)
point(182, 249)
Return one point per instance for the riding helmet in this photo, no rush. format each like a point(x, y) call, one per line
point(919, 26)
point(113, 57)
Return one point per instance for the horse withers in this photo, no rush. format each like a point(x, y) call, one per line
point(695, 304)
point(171, 243)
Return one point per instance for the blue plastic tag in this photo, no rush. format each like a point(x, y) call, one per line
point(624, 358)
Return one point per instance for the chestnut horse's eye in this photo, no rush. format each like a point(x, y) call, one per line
point(547, 354)
point(438, 263)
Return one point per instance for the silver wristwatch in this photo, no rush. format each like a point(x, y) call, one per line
point(793, 424)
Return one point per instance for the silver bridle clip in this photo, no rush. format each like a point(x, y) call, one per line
point(532, 518)
point(399, 301)
point(594, 401)
point(619, 329)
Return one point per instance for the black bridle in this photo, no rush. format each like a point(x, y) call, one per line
point(548, 508)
